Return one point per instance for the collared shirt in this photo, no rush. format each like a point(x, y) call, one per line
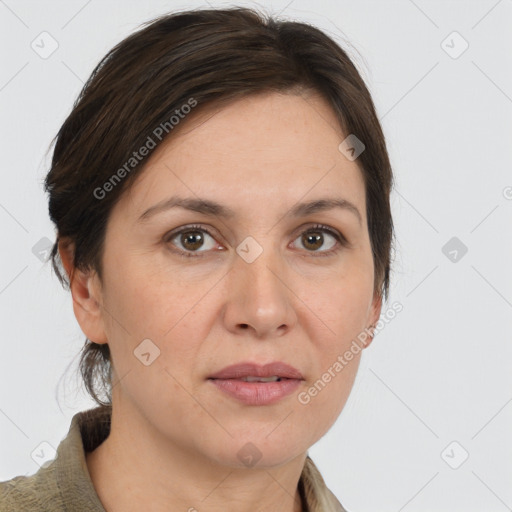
point(64, 484)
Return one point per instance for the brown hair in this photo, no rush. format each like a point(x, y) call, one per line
point(142, 88)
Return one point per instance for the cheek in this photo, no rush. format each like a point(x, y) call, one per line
point(166, 308)
point(341, 305)
point(143, 299)
point(340, 317)
point(321, 403)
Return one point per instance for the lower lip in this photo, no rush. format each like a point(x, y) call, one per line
point(257, 393)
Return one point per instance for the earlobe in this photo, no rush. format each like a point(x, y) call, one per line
point(86, 295)
point(374, 316)
point(376, 308)
point(66, 253)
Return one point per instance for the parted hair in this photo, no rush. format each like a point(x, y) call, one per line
point(147, 84)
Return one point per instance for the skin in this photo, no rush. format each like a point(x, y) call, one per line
point(175, 437)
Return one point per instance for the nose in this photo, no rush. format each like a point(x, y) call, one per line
point(258, 297)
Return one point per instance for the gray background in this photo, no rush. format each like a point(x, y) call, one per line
point(439, 372)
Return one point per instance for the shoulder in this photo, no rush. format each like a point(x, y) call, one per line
point(30, 493)
point(63, 483)
point(318, 496)
point(333, 503)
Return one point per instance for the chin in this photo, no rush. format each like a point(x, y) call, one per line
point(246, 451)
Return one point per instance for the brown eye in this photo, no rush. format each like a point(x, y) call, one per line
point(312, 240)
point(321, 237)
point(190, 240)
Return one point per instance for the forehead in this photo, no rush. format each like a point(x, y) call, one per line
point(257, 149)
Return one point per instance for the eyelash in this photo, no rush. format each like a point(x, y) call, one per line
point(342, 241)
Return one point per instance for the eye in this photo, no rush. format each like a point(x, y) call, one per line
point(190, 239)
point(314, 238)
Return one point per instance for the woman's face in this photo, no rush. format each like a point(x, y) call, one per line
point(244, 287)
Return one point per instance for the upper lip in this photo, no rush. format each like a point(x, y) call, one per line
point(246, 369)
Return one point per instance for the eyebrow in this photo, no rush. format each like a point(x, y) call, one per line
point(212, 208)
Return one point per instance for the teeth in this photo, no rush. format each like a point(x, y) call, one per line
point(261, 379)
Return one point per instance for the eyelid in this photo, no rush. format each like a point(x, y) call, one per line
point(341, 240)
point(190, 227)
point(336, 234)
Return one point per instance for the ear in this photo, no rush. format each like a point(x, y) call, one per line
point(86, 293)
point(374, 315)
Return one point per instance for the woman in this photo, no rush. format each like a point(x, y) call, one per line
point(221, 197)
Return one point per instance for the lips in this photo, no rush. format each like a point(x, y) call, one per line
point(248, 369)
point(242, 382)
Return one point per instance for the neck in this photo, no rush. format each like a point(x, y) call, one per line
point(137, 464)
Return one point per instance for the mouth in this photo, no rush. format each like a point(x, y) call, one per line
point(254, 372)
point(251, 378)
point(256, 392)
point(253, 384)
